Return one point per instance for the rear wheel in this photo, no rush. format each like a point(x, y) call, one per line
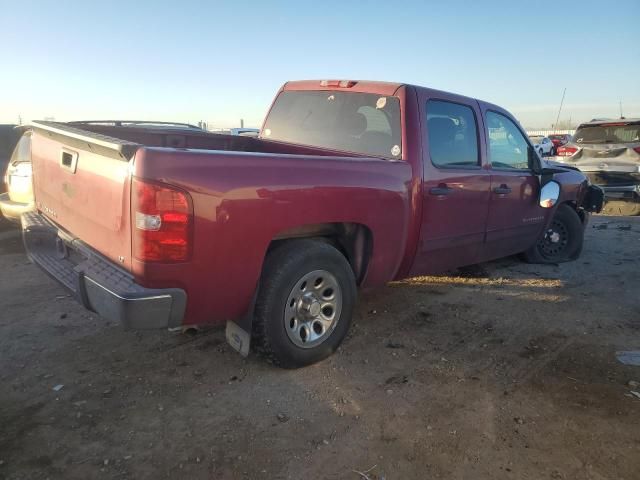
point(541, 152)
point(305, 303)
point(622, 207)
point(561, 242)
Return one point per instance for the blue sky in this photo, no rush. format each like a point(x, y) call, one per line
point(222, 61)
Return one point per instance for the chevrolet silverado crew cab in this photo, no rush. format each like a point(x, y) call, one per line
point(350, 184)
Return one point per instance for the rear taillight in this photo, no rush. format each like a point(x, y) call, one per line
point(566, 151)
point(162, 222)
point(637, 149)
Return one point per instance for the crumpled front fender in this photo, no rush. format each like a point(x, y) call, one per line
point(593, 199)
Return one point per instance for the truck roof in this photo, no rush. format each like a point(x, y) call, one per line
point(368, 86)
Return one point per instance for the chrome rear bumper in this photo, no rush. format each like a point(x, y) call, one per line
point(96, 282)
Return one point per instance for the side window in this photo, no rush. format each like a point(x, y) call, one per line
point(507, 146)
point(453, 135)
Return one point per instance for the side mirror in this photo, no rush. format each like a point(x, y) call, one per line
point(535, 164)
point(549, 194)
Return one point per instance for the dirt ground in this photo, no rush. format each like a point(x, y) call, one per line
point(504, 371)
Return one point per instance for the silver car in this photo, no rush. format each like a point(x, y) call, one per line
point(608, 152)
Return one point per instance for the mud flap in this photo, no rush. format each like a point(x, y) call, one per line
point(238, 338)
point(238, 333)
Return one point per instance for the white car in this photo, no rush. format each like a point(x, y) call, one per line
point(542, 145)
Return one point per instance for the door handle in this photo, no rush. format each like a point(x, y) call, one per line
point(502, 189)
point(441, 189)
point(69, 160)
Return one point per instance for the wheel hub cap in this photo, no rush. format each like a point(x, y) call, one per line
point(313, 309)
point(555, 241)
point(309, 306)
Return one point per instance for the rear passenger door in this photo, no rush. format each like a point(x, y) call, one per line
point(515, 217)
point(455, 184)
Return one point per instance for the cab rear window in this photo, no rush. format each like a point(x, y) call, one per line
point(361, 123)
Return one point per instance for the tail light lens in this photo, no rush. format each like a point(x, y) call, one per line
point(566, 151)
point(637, 149)
point(20, 162)
point(162, 222)
point(337, 83)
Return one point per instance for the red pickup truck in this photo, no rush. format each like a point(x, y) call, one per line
point(350, 184)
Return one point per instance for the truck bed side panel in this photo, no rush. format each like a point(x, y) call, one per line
point(243, 200)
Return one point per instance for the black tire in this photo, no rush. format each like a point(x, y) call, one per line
point(568, 227)
point(622, 207)
point(283, 269)
point(541, 152)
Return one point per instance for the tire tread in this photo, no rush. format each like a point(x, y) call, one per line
point(277, 264)
point(533, 255)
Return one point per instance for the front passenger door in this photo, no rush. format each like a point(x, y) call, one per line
point(515, 218)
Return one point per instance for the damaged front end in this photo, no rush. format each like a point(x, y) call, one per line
point(608, 153)
point(593, 200)
point(619, 179)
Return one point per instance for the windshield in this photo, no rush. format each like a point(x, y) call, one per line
point(535, 139)
point(354, 122)
point(608, 133)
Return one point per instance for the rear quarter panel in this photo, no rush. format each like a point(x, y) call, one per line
point(243, 200)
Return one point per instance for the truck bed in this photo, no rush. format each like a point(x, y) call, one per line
point(245, 193)
point(196, 139)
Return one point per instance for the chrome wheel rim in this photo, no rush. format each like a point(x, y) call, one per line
point(313, 309)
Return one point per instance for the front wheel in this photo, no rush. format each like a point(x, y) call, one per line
point(561, 241)
point(305, 303)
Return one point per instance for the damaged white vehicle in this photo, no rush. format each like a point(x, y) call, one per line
point(608, 152)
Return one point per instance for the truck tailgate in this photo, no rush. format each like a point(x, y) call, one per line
point(82, 184)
